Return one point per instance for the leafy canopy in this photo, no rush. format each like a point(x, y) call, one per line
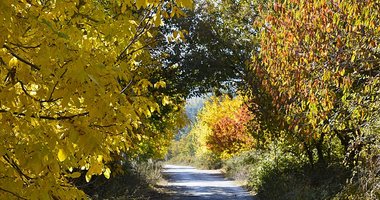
point(318, 68)
point(75, 87)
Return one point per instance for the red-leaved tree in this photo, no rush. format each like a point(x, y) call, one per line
point(230, 135)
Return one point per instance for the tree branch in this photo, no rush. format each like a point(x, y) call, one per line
point(55, 85)
point(102, 126)
point(126, 87)
point(16, 167)
point(36, 99)
point(33, 66)
point(12, 193)
point(25, 47)
point(46, 117)
point(136, 37)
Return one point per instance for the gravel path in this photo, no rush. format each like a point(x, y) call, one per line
point(188, 183)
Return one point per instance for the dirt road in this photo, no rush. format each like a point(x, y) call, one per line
point(188, 183)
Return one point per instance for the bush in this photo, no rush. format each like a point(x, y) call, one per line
point(301, 182)
point(280, 175)
point(182, 152)
point(365, 181)
point(182, 160)
point(241, 165)
point(149, 171)
point(208, 160)
point(136, 182)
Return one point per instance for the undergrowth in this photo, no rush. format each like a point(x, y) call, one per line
point(137, 181)
point(289, 177)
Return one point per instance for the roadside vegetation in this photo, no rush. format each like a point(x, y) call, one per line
point(81, 85)
point(304, 122)
point(274, 169)
point(136, 180)
point(93, 92)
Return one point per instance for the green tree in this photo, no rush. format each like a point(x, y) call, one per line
point(211, 52)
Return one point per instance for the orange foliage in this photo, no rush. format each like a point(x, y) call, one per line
point(229, 134)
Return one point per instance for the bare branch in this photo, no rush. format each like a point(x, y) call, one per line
point(126, 87)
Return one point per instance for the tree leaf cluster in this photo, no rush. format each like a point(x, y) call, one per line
point(77, 87)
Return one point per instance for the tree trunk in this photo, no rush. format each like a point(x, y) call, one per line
point(309, 153)
point(319, 146)
point(345, 139)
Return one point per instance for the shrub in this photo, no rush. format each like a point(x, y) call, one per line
point(365, 180)
point(282, 175)
point(136, 182)
point(208, 160)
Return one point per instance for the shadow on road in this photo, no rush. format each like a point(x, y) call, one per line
point(189, 183)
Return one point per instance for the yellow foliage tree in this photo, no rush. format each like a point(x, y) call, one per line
point(74, 88)
point(205, 130)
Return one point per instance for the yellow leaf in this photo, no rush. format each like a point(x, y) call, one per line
point(145, 83)
point(95, 169)
point(178, 12)
point(173, 12)
point(175, 34)
point(159, 84)
point(186, 3)
point(165, 100)
point(75, 175)
point(147, 113)
point(123, 8)
point(62, 155)
point(165, 14)
point(13, 62)
point(100, 158)
point(342, 72)
point(141, 4)
point(107, 173)
point(133, 22)
point(88, 177)
point(157, 20)
point(353, 57)
point(135, 124)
